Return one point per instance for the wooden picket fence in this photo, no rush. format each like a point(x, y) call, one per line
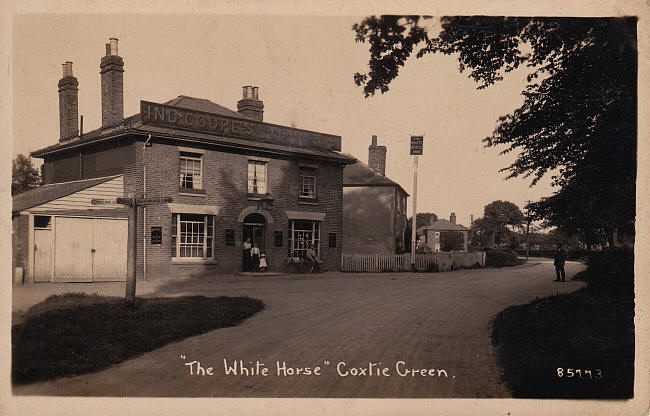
point(440, 261)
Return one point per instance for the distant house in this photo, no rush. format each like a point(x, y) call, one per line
point(436, 234)
point(374, 206)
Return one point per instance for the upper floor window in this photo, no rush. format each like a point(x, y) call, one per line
point(190, 171)
point(257, 183)
point(307, 182)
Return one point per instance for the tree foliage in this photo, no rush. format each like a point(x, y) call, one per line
point(578, 120)
point(492, 228)
point(23, 175)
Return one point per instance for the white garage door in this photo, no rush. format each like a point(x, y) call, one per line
point(90, 249)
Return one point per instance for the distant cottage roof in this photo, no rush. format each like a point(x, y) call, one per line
point(47, 193)
point(360, 174)
point(442, 225)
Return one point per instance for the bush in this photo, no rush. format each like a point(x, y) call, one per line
point(501, 257)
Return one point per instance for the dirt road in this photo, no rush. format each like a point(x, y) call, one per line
point(413, 335)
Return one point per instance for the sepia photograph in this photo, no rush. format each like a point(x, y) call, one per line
point(359, 205)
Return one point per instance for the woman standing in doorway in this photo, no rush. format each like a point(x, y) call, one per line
point(246, 256)
point(255, 258)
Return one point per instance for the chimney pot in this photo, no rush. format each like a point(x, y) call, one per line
point(67, 69)
point(250, 105)
point(452, 218)
point(374, 140)
point(113, 43)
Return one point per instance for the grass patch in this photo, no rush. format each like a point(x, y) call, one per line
point(75, 334)
point(590, 329)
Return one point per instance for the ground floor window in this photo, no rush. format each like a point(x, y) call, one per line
point(192, 236)
point(302, 234)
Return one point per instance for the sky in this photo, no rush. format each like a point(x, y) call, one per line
point(304, 67)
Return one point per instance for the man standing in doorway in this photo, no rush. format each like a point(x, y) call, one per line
point(560, 258)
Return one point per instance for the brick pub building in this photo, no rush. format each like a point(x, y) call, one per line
point(231, 176)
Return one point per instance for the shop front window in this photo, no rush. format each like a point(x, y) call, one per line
point(303, 234)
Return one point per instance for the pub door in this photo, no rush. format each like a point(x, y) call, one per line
point(254, 228)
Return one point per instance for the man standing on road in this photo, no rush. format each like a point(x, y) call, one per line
point(560, 258)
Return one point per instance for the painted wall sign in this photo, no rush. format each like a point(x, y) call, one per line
point(332, 240)
point(156, 235)
point(417, 145)
point(278, 239)
point(253, 130)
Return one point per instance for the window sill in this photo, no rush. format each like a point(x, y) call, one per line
point(259, 197)
point(308, 201)
point(190, 260)
point(191, 194)
point(190, 191)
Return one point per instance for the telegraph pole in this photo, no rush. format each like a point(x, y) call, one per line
point(417, 144)
point(527, 228)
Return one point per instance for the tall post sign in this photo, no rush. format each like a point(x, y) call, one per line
point(417, 147)
point(132, 204)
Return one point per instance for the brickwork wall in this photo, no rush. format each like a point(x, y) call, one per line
point(369, 219)
point(225, 182)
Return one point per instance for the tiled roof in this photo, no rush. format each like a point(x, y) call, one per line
point(360, 174)
point(202, 104)
point(443, 225)
point(47, 193)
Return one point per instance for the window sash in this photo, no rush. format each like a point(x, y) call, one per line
point(307, 183)
point(300, 234)
point(192, 236)
point(257, 174)
point(190, 172)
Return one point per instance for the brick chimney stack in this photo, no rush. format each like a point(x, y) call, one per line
point(377, 157)
point(112, 73)
point(250, 105)
point(452, 218)
point(68, 104)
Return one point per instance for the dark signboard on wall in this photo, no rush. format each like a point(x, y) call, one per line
point(278, 238)
point(230, 237)
point(156, 235)
point(332, 240)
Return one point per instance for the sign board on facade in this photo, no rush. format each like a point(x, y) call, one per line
point(417, 145)
point(278, 239)
point(230, 237)
point(156, 235)
point(254, 130)
point(332, 240)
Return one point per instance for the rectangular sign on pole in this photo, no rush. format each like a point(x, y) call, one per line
point(154, 200)
point(103, 201)
point(417, 145)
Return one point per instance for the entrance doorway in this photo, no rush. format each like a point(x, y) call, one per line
point(254, 228)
